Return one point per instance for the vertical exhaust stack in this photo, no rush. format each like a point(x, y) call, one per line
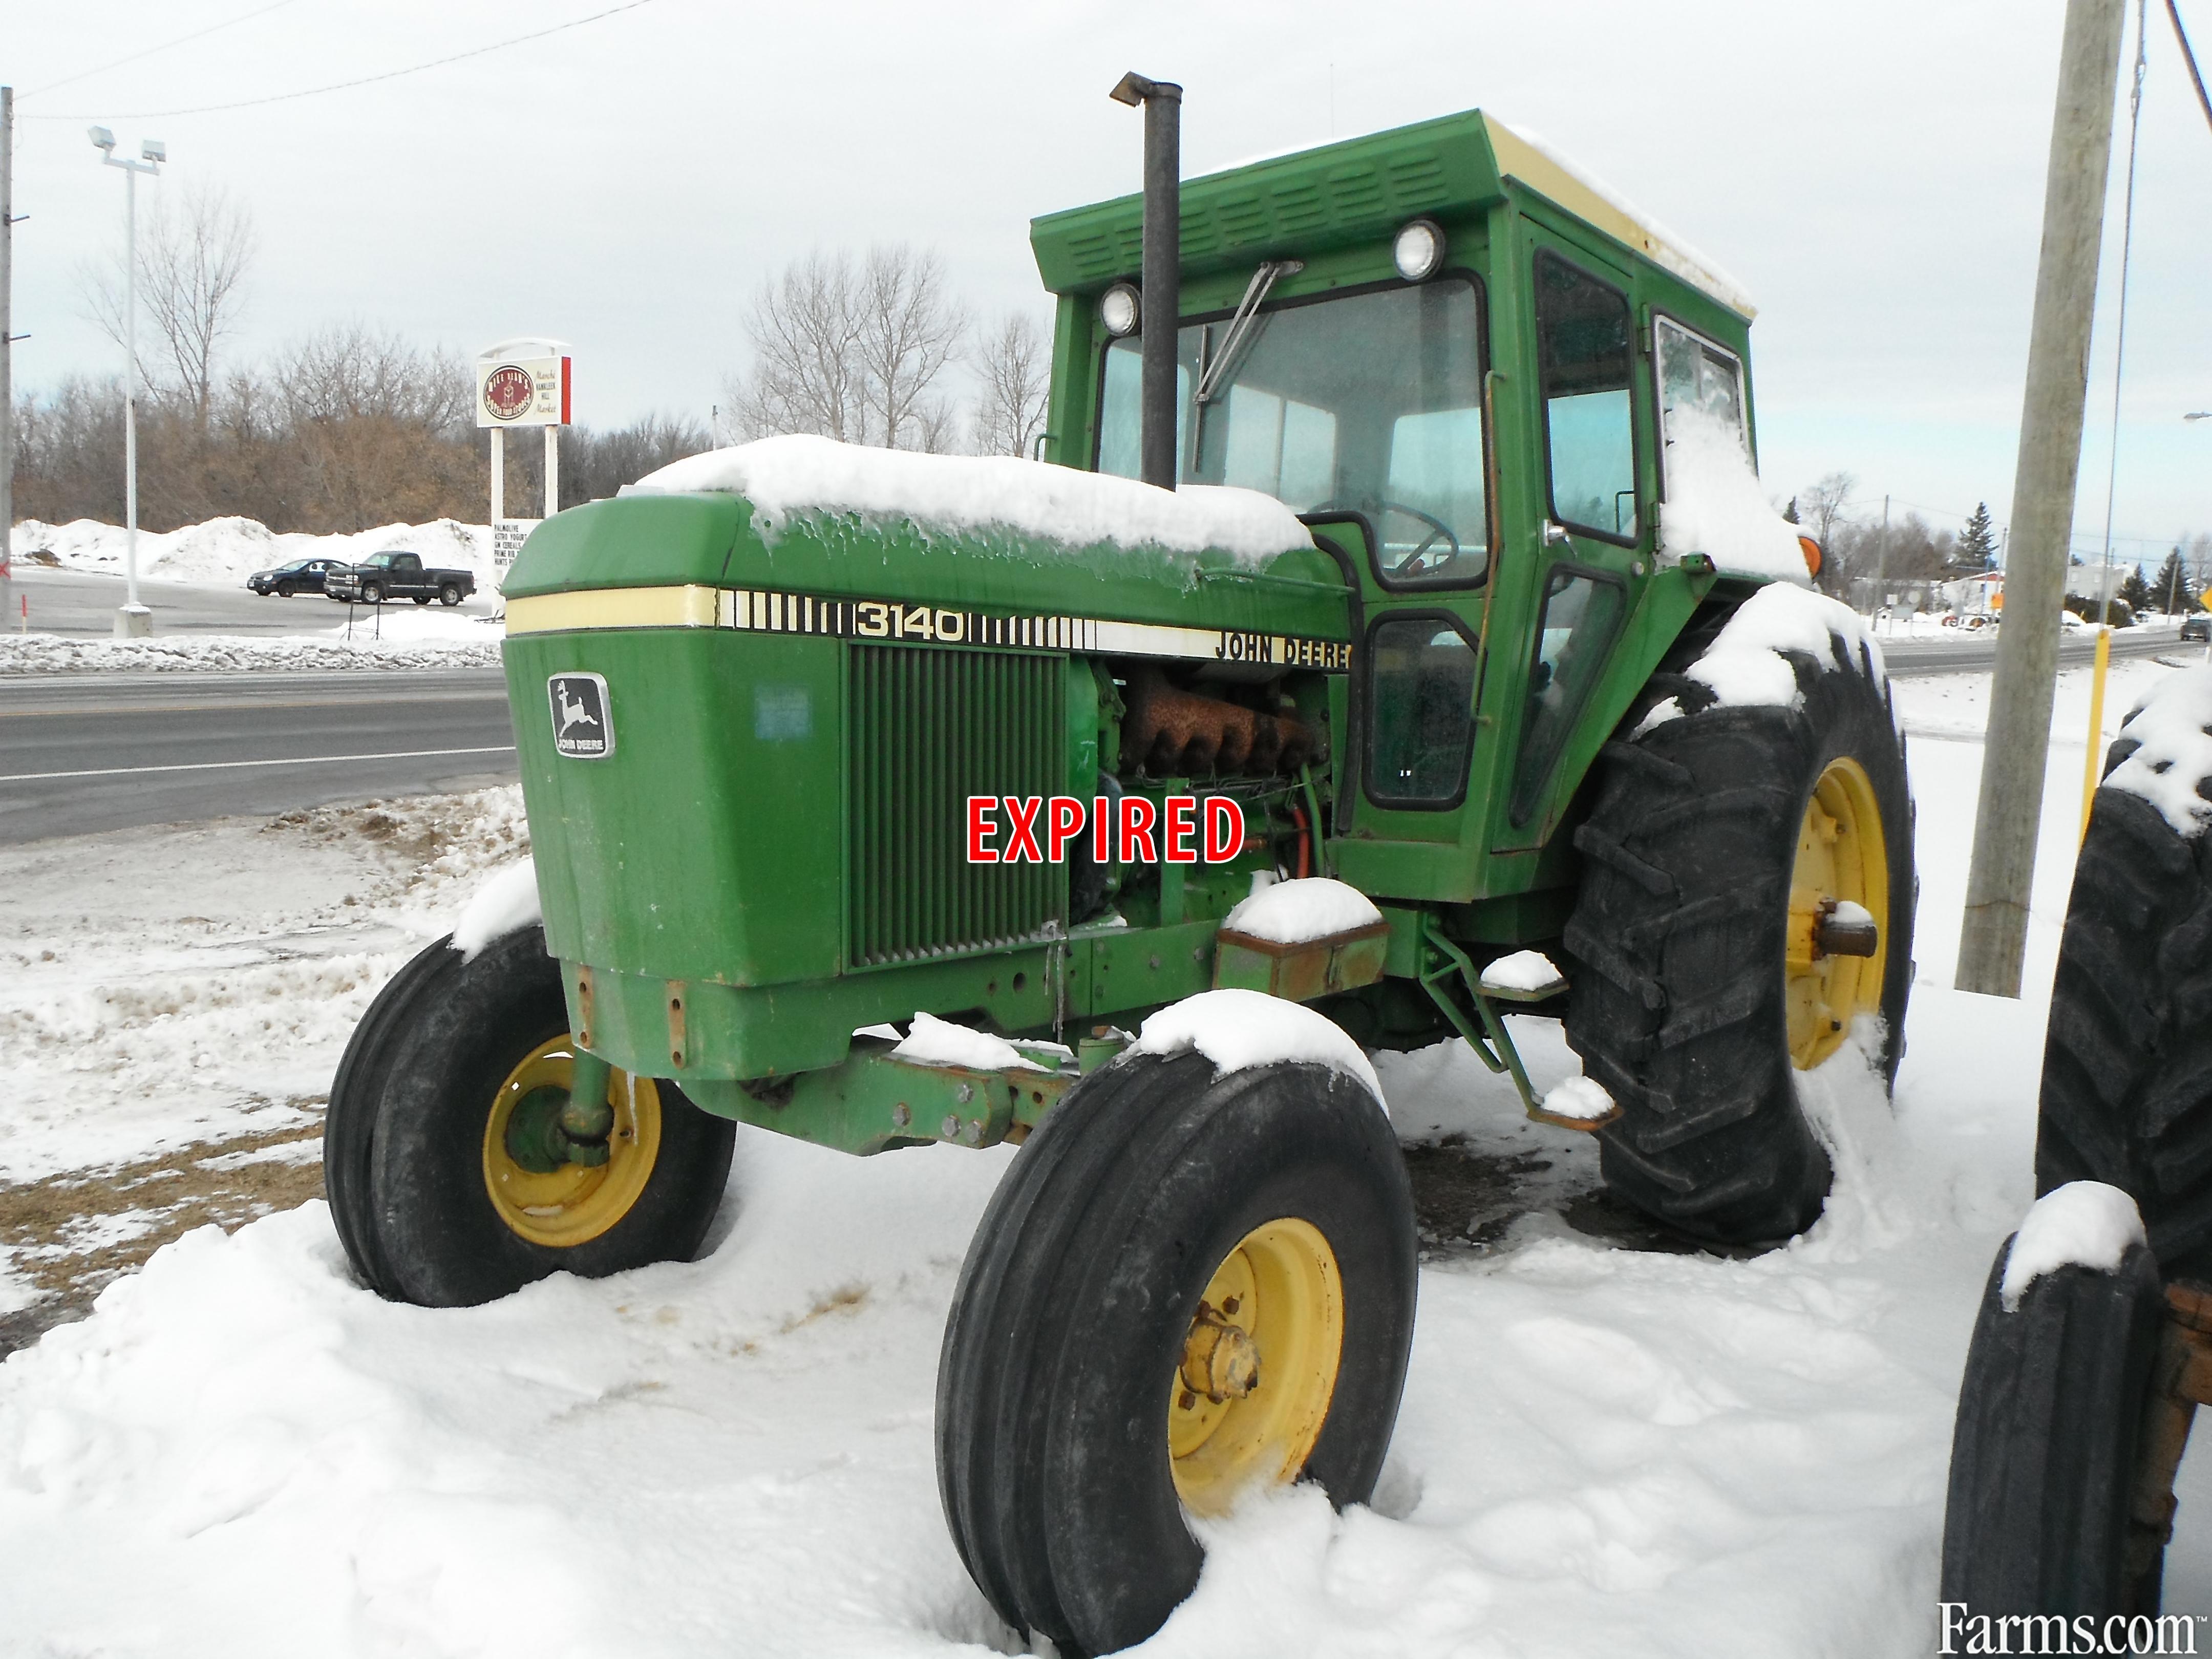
point(1162, 278)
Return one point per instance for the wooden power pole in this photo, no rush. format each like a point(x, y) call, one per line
point(7, 326)
point(1994, 939)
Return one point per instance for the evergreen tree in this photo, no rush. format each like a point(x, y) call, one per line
point(2134, 592)
point(2170, 590)
point(1977, 542)
point(1789, 512)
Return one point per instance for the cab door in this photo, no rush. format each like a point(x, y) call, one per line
point(1590, 421)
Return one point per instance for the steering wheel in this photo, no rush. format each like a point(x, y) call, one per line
point(1412, 565)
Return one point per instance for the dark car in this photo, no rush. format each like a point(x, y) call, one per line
point(2199, 627)
point(394, 574)
point(301, 576)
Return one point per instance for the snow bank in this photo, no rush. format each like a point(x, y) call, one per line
point(504, 901)
point(1715, 507)
point(1744, 665)
point(2171, 766)
point(2084, 1223)
point(55, 653)
point(798, 474)
point(933, 1041)
point(1294, 912)
point(1240, 1029)
point(228, 551)
point(1524, 970)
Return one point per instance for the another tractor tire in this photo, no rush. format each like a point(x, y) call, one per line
point(430, 1199)
point(2127, 1065)
point(1697, 987)
point(1160, 1207)
point(449, 594)
point(2043, 1456)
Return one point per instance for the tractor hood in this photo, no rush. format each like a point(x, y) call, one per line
point(883, 535)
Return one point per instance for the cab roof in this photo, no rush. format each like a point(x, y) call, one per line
point(1357, 190)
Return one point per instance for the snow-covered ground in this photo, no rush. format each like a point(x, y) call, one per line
point(1602, 1451)
point(226, 552)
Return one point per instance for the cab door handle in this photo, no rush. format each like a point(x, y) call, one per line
point(1555, 535)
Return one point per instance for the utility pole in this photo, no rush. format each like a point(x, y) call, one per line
point(1994, 939)
point(7, 335)
point(1882, 562)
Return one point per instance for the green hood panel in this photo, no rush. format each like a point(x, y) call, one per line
point(654, 540)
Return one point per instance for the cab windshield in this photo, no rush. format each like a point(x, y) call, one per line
point(1366, 402)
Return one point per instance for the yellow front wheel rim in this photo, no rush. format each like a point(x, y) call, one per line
point(576, 1203)
point(1252, 1387)
point(1842, 857)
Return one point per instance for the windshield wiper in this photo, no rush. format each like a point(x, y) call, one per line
point(1242, 325)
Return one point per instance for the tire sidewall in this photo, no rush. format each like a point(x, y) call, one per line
point(1254, 1147)
point(442, 1239)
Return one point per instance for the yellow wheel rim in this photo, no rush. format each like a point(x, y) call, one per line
point(576, 1203)
point(1252, 1387)
point(1842, 857)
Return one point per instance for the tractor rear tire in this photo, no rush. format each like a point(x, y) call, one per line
point(2043, 1458)
point(1069, 1440)
point(2127, 1065)
point(1685, 1007)
point(427, 1201)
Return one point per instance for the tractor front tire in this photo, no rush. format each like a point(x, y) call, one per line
point(2127, 1064)
point(420, 1166)
point(2044, 1456)
point(1716, 837)
point(1189, 1285)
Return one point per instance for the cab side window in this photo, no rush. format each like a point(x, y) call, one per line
point(1421, 718)
point(1583, 331)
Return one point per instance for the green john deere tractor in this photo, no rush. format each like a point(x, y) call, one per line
point(1466, 686)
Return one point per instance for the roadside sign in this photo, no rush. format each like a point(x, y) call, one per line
point(508, 536)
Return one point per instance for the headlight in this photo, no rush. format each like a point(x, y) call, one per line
point(1418, 249)
point(1119, 310)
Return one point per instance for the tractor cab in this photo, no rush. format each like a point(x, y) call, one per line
point(1467, 368)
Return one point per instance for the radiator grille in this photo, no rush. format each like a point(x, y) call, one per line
point(931, 727)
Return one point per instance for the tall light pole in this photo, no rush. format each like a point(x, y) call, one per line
point(133, 620)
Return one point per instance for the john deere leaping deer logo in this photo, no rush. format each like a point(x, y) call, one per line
point(581, 728)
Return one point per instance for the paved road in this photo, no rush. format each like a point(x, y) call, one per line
point(1975, 655)
point(82, 603)
point(80, 753)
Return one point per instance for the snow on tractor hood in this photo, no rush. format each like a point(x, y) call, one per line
point(787, 476)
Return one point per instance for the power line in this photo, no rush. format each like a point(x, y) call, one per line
point(2190, 59)
point(102, 69)
point(364, 80)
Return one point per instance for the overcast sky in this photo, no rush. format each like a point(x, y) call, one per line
point(1872, 173)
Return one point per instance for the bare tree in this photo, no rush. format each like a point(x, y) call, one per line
point(910, 329)
point(851, 350)
point(192, 262)
point(1823, 504)
point(806, 376)
point(1013, 369)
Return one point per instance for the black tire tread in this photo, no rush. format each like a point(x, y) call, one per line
point(2043, 1455)
point(2127, 1068)
point(1678, 1011)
